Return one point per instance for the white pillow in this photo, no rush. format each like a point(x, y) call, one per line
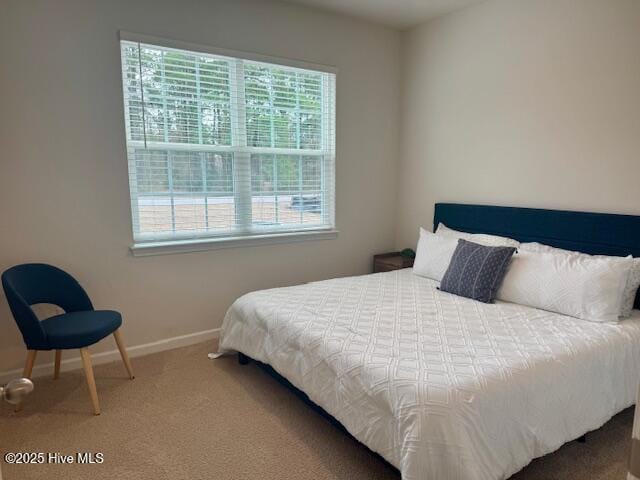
point(630, 288)
point(480, 238)
point(580, 286)
point(433, 254)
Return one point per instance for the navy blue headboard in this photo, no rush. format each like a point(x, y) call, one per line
point(594, 233)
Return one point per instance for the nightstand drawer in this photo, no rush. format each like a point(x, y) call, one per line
point(387, 262)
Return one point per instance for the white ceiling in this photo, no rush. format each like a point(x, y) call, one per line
point(400, 14)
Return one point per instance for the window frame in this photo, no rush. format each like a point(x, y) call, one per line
point(243, 234)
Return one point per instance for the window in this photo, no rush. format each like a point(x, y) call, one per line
point(221, 147)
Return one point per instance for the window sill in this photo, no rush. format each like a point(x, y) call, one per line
point(201, 245)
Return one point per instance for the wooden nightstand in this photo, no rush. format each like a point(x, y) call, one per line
point(386, 262)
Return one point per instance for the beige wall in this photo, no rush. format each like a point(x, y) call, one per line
point(524, 103)
point(63, 173)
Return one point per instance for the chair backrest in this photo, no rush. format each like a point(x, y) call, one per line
point(32, 283)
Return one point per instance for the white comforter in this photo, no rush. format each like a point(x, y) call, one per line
point(441, 386)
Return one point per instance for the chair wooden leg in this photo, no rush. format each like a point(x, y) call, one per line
point(28, 366)
point(28, 369)
point(56, 365)
point(91, 382)
point(123, 353)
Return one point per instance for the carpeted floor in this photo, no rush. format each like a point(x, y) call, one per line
point(187, 417)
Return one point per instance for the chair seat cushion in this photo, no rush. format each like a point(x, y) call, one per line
point(80, 329)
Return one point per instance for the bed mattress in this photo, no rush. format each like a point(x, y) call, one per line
point(441, 386)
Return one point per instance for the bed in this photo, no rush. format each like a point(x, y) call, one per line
point(441, 386)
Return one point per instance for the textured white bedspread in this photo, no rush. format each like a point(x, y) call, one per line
point(441, 386)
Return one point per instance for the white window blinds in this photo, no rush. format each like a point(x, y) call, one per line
point(226, 147)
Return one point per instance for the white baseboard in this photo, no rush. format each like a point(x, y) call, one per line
point(112, 355)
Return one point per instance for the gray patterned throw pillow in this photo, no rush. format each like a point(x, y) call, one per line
point(476, 271)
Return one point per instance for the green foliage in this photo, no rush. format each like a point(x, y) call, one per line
point(188, 98)
point(164, 171)
point(285, 174)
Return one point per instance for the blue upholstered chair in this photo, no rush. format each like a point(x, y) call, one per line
point(79, 327)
